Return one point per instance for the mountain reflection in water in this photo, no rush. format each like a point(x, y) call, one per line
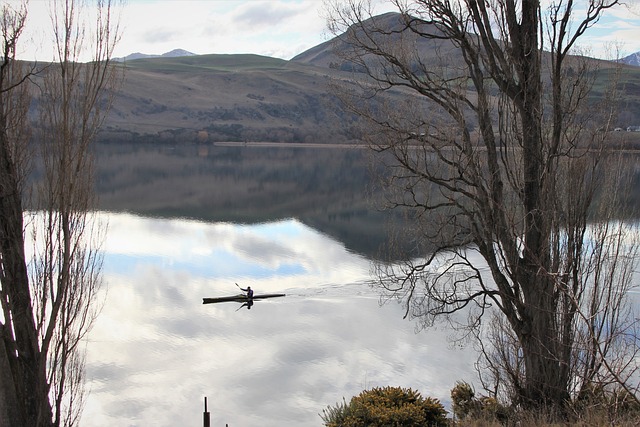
point(156, 351)
point(329, 189)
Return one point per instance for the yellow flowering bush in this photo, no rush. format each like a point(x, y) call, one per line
point(387, 407)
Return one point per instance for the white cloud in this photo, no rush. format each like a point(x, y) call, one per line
point(203, 27)
point(275, 28)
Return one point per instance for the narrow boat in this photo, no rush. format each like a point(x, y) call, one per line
point(239, 298)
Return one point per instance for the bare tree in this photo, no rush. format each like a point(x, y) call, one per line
point(21, 391)
point(499, 153)
point(49, 301)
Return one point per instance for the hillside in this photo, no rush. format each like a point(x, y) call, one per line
point(226, 98)
point(241, 98)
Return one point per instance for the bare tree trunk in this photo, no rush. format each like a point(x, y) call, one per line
point(9, 413)
point(546, 382)
point(18, 333)
point(496, 152)
point(28, 387)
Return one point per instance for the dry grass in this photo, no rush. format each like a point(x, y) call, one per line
point(585, 419)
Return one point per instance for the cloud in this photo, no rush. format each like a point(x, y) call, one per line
point(274, 28)
point(269, 14)
point(156, 350)
point(617, 29)
point(160, 35)
point(279, 29)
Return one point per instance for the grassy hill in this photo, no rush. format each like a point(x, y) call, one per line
point(210, 98)
point(226, 98)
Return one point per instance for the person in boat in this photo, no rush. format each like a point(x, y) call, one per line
point(249, 302)
point(249, 292)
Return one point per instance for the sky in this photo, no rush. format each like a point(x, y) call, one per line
point(277, 28)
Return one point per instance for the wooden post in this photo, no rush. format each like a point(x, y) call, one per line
point(206, 415)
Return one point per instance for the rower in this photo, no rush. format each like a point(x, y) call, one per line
point(249, 302)
point(249, 292)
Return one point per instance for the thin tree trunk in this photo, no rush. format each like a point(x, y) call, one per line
point(9, 414)
point(23, 347)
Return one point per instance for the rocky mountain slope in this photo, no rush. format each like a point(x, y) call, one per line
point(172, 54)
point(633, 59)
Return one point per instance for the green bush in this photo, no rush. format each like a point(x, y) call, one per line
point(386, 407)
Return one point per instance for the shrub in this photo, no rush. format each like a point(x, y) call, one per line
point(466, 406)
point(387, 406)
point(463, 401)
point(335, 416)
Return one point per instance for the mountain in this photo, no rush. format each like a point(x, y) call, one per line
point(241, 97)
point(633, 59)
point(175, 53)
point(332, 53)
point(179, 96)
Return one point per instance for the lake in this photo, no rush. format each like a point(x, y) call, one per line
point(189, 221)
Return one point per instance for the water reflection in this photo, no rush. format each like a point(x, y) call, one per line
point(156, 350)
point(329, 189)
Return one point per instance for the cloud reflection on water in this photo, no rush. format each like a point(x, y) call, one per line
point(156, 351)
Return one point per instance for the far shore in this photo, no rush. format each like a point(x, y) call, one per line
point(289, 144)
point(268, 144)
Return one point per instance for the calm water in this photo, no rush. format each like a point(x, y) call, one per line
point(157, 351)
point(188, 222)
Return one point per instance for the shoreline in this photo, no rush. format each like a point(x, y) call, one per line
point(289, 144)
